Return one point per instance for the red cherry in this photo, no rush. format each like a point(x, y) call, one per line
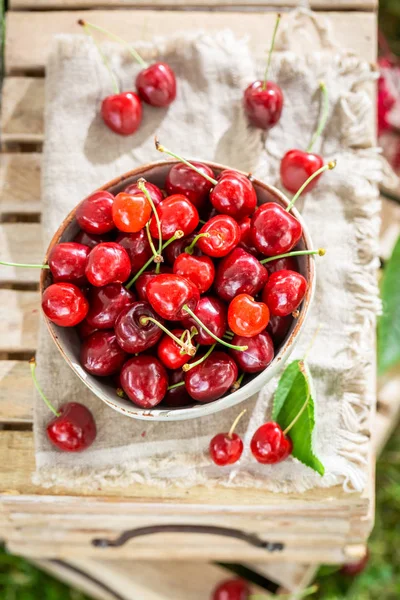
point(168, 294)
point(296, 167)
point(106, 303)
point(169, 352)
point(278, 328)
point(155, 193)
point(181, 179)
point(67, 262)
point(224, 235)
point(263, 104)
point(234, 195)
point(143, 280)
point(74, 430)
point(101, 355)
point(91, 240)
point(232, 589)
point(175, 212)
point(197, 269)
point(246, 317)
point(227, 448)
point(177, 396)
point(288, 263)
point(64, 304)
point(212, 312)
point(138, 248)
point(144, 380)
point(246, 240)
point(131, 212)
point(239, 273)
point(212, 378)
point(122, 113)
point(274, 230)
point(355, 568)
point(156, 84)
point(176, 248)
point(134, 336)
point(94, 214)
point(269, 445)
point(259, 353)
point(108, 263)
point(284, 292)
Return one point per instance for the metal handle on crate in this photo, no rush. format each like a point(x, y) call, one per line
point(250, 538)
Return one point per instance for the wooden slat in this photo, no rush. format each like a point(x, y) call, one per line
point(22, 110)
point(15, 392)
point(28, 34)
point(19, 182)
point(20, 243)
point(19, 313)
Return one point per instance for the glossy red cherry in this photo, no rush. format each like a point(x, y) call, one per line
point(101, 355)
point(284, 292)
point(143, 280)
point(269, 445)
point(246, 240)
point(246, 317)
point(263, 104)
point(224, 235)
point(274, 230)
point(67, 262)
point(239, 273)
point(259, 353)
point(278, 328)
point(296, 167)
point(74, 430)
point(156, 84)
point(212, 312)
point(144, 380)
point(175, 212)
point(227, 448)
point(169, 352)
point(155, 193)
point(94, 214)
point(288, 263)
point(177, 396)
point(131, 211)
point(90, 239)
point(64, 304)
point(212, 378)
point(199, 270)
point(234, 195)
point(134, 336)
point(232, 589)
point(168, 294)
point(181, 179)
point(108, 263)
point(177, 247)
point(138, 248)
point(106, 303)
point(122, 113)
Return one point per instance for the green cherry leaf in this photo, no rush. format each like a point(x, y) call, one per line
point(294, 387)
point(389, 321)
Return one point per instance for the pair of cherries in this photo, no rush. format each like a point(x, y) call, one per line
point(155, 85)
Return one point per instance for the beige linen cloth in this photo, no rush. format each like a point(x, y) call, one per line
point(207, 122)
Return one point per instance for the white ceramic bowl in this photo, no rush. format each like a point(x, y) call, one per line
point(68, 342)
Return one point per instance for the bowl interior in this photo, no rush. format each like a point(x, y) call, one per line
point(68, 341)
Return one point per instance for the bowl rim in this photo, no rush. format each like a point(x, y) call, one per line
point(250, 388)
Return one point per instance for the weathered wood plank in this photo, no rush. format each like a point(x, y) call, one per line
point(22, 110)
point(19, 313)
point(28, 34)
point(15, 392)
point(19, 181)
point(20, 243)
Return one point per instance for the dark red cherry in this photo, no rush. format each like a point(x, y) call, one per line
point(246, 240)
point(232, 589)
point(74, 430)
point(64, 304)
point(94, 214)
point(234, 195)
point(144, 380)
point(179, 246)
point(278, 328)
point(199, 270)
point(122, 113)
point(274, 231)
point(269, 445)
point(138, 248)
point(259, 353)
point(355, 568)
point(296, 167)
point(212, 312)
point(246, 317)
point(288, 263)
point(175, 212)
point(90, 239)
point(101, 355)
point(155, 193)
point(225, 449)
point(224, 235)
point(108, 263)
point(84, 329)
point(284, 292)
point(169, 352)
point(177, 396)
point(181, 179)
point(212, 378)
point(106, 303)
point(132, 335)
point(67, 262)
point(168, 294)
point(263, 103)
point(143, 280)
point(156, 84)
point(239, 273)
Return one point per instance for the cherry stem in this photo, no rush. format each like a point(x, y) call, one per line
point(103, 56)
point(32, 364)
point(161, 148)
point(324, 116)
point(189, 366)
point(320, 252)
point(27, 266)
point(238, 383)
point(235, 422)
point(142, 186)
point(120, 392)
point(172, 387)
point(187, 346)
point(190, 249)
point(118, 39)
point(177, 235)
point(278, 18)
point(217, 339)
point(153, 248)
point(329, 166)
point(297, 417)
